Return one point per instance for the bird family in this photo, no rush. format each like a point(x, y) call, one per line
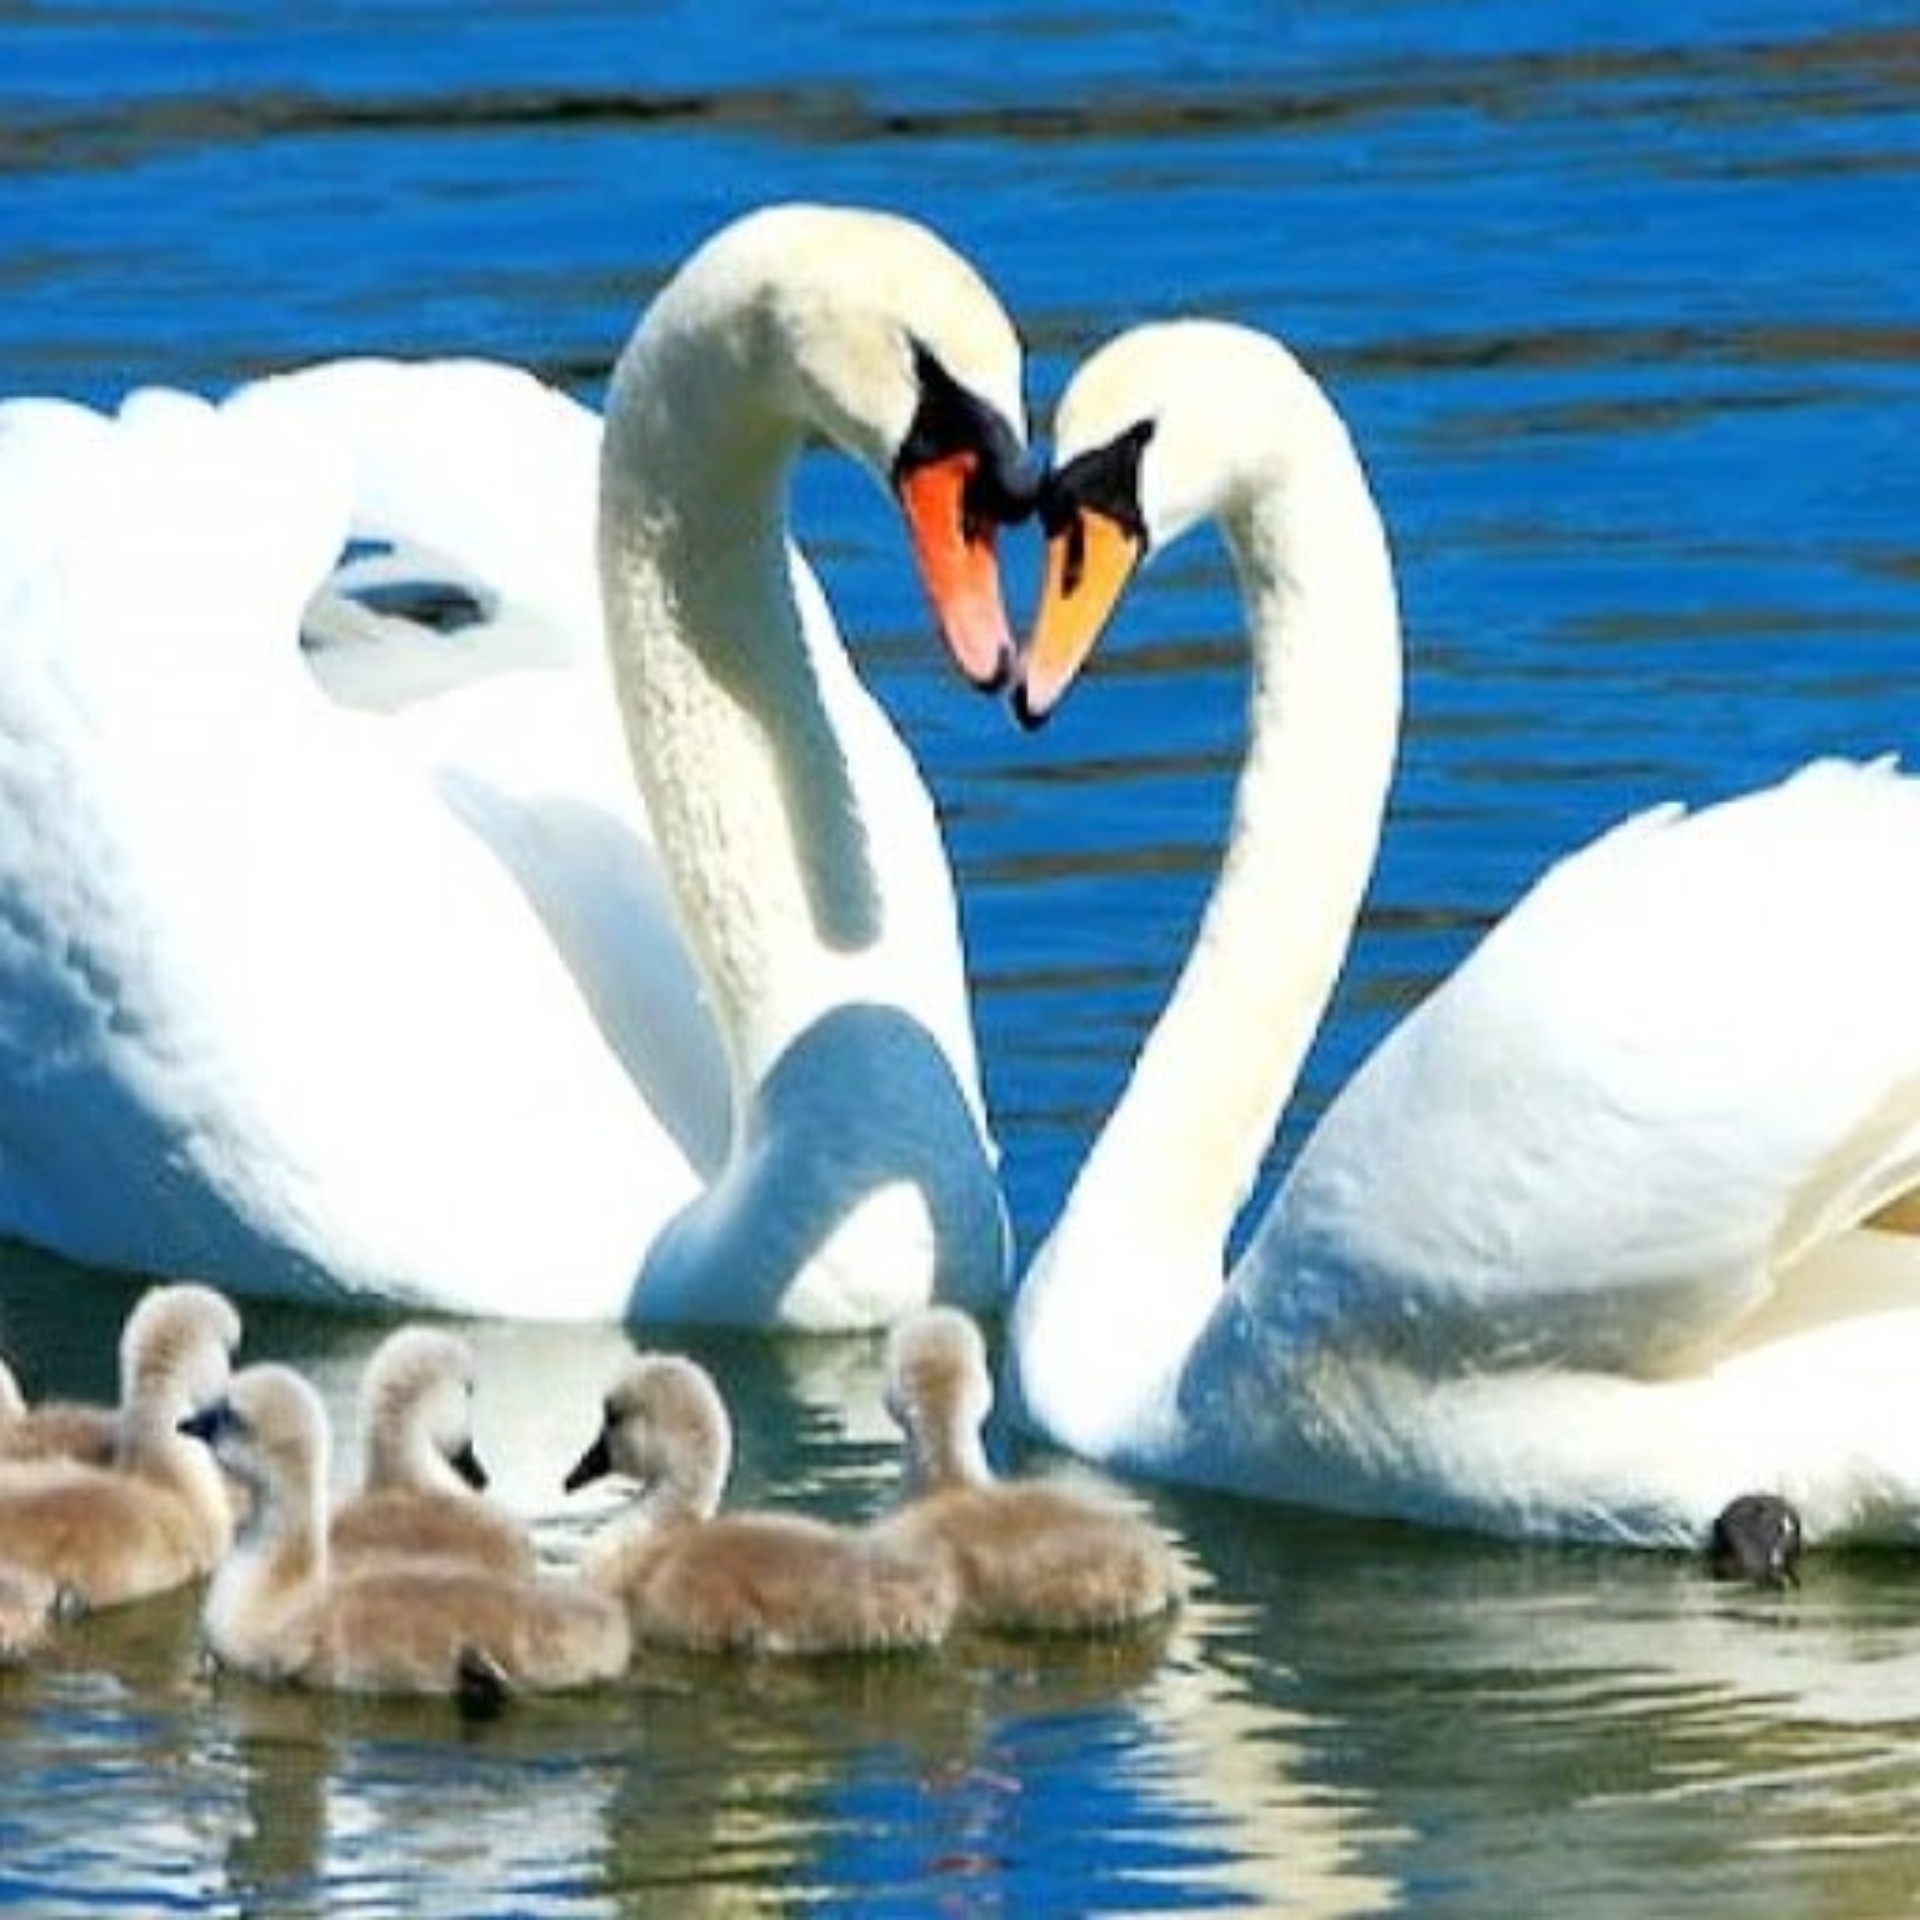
point(418, 1582)
point(607, 966)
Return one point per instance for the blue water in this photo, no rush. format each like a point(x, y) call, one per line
point(1621, 304)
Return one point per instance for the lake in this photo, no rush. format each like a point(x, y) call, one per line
point(1622, 308)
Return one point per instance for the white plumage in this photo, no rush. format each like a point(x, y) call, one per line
point(1617, 1225)
point(351, 970)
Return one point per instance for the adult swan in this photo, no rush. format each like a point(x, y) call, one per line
point(1619, 1224)
point(312, 999)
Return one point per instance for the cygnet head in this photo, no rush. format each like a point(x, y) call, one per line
point(1756, 1537)
point(176, 1349)
point(940, 1392)
point(416, 1412)
point(269, 1431)
point(664, 1426)
point(868, 328)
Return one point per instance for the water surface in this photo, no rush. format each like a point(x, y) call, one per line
point(1622, 310)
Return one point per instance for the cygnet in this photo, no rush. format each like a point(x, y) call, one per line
point(1032, 1556)
point(743, 1583)
point(160, 1514)
point(421, 1481)
point(276, 1610)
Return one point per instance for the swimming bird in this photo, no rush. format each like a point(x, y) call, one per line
point(160, 1514)
point(1032, 1556)
point(738, 1583)
point(561, 1071)
point(422, 1483)
point(52, 1429)
point(277, 1610)
point(1620, 1222)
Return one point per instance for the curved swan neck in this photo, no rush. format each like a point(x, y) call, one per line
point(726, 705)
point(1144, 1229)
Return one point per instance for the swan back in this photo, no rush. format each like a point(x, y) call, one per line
point(1652, 1018)
point(215, 1123)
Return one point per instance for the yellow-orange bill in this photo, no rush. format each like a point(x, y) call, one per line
point(958, 566)
point(1089, 562)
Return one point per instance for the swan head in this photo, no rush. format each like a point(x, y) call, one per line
point(269, 1431)
point(665, 1427)
point(868, 329)
point(1164, 427)
point(416, 1411)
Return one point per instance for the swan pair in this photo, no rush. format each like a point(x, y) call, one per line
point(964, 1550)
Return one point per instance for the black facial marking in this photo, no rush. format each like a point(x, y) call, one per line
point(209, 1423)
point(1106, 480)
point(1005, 484)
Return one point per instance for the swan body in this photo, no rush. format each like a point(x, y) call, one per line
point(277, 1609)
point(246, 883)
point(739, 1583)
point(1619, 1224)
point(422, 1487)
point(159, 1515)
point(275, 1011)
point(1031, 1556)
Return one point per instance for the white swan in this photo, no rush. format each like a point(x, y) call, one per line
point(1619, 1224)
point(385, 1003)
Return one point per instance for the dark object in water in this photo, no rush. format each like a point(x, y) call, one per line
point(1756, 1538)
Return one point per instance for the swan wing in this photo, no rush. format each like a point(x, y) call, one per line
point(269, 1009)
point(474, 490)
point(1644, 1110)
point(475, 486)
